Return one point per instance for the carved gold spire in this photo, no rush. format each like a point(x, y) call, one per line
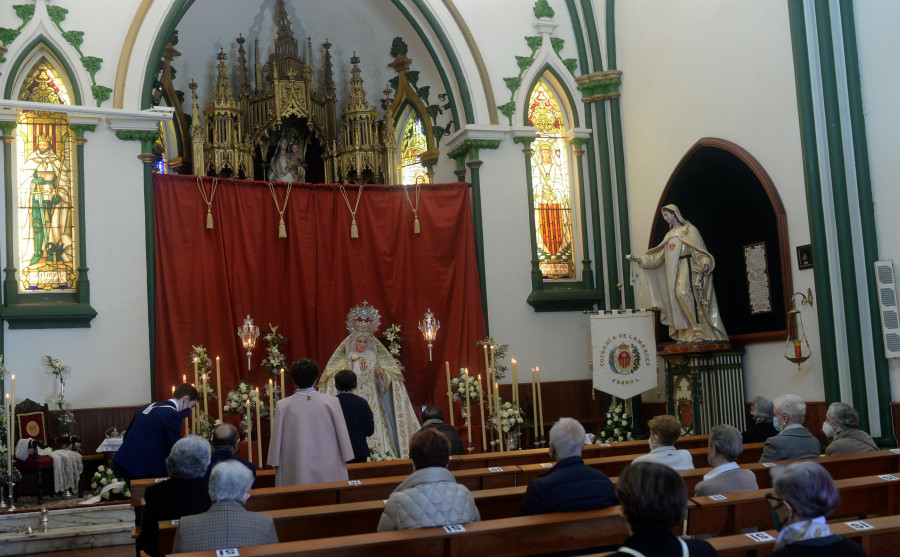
point(223, 95)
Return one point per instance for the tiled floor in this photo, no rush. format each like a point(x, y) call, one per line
point(112, 551)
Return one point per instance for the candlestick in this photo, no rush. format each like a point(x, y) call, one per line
point(196, 372)
point(249, 433)
point(9, 438)
point(468, 409)
point(283, 394)
point(515, 382)
point(12, 409)
point(487, 373)
point(450, 394)
point(481, 412)
point(271, 403)
point(258, 427)
point(534, 407)
point(540, 405)
point(219, 396)
point(499, 418)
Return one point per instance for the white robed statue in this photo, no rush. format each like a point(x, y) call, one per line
point(679, 272)
point(380, 382)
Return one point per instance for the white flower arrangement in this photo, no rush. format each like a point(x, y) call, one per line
point(64, 415)
point(105, 476)
point(500, 350)
point(204, 367)
point(391, 337)
point(377, 456)
point(618, 425)
point(237, 398)
point(458, 387)
point(510, 418)
point(274, 361)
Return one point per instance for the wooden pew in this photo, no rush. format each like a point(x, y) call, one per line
point(306, 523)
point(881, 540)
point(526, 535)
point(860, 497)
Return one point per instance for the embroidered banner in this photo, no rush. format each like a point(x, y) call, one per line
point(624, 352)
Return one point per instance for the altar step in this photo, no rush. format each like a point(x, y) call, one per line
point(68, 528)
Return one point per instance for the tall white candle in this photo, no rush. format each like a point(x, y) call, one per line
point(249, 433)
point(540, 405)
point(258, 428)
point(219, 396)
point(468, 409)
point(481, 412)
point(449, 394)
point(515, 382)
point(10, 429)
point(283, 394)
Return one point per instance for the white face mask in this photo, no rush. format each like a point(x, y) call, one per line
point(827, 429)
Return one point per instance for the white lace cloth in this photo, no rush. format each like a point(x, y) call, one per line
point(67, 465)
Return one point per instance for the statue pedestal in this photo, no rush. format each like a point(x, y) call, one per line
point(705, 387)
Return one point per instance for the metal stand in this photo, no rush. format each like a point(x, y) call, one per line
point(3, 506)
point(471, 448)
point(12, 501)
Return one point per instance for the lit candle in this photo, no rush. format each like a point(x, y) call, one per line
point(12, 410)
point(449, 394)
point(515, 382)
point(282, 384)
point(258, 427)
point(534, 408)
point(173, 390)
point(468, 409)
point(540, 405)
point(219, 396)
point(184, 378)
point(481, 412)
point(205, 397)
point(9, 435)
point(196, 371)
point(249, 433)
point(271, 403)
point(499, 418)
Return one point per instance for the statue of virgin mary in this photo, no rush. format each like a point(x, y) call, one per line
point(380, 382)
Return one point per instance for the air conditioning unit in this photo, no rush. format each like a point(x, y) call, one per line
point(890, 311)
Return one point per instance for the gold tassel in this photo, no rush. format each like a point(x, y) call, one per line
point(416, 228)
point(282, 231)
point(209, 221)
point(354, 231)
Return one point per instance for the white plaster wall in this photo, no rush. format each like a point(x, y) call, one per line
point(707, 68)
point(878, 43)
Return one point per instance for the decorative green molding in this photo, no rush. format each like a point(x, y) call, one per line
point(7, 35)
point(578, 142)
point(557, 44)
point(542, 9)
point(74, 38)
point(146, 137)
point(92, 65)
point(7, 127)
point(534, 43)
point(600, 86)
point(513, 83)
point(79, 129)
point(524, 62)
point(57, 14)
point(471, 147)
point(398, 48)
point(100, 93)
point(508, 110)
point(525, 142)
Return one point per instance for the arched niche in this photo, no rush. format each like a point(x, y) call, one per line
point(727, 194)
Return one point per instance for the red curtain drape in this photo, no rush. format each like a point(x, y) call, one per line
point(207, 281)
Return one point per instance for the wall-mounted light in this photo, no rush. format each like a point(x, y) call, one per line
point(796, 347)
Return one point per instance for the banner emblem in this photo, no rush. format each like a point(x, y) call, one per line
point(624, 352)
point(625, 359)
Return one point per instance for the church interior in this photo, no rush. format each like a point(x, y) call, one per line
point(493, 174)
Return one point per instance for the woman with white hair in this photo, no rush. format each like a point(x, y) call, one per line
point(184, 493)
point(803, 494)
point(842, 425)
point(793, 440)
point(226, 524)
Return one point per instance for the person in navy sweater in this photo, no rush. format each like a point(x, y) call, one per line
point(152, 433)
point(570, 485)
point(357, 414)
point(225, 447)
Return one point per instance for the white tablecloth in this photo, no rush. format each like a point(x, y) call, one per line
point(110, 445)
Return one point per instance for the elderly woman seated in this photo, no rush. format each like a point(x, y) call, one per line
point(664, 431)
point(727, 477)
point(654, 501)
point(430, 495)
point(761, 427)
point(802, 495)
point(184, 493)
point(842, 425)
point(226, 524)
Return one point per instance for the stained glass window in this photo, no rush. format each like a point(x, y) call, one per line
point(550, 182)
point(413, 145)
point(45, 210)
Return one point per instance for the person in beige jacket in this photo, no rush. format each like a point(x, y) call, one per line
point(842, 425)
point(727, 477)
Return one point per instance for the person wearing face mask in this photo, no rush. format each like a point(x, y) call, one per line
point(793, 440)
point(803, 494)
point(842, 425)
point(727, 477)
point(761, 427)
point(664, 431)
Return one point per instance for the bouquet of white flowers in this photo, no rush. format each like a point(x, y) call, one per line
point(391, 337)
point(509, 418)
point(103, 477)
point(458, 387)
point(618, 425)
point(237, 398)
point(376, 456)
point(204, 367)
point(275, 360)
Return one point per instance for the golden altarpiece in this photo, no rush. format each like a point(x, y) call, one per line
point(284, 126)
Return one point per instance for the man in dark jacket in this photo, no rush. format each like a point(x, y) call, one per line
point(357, 414)
point(570, 485)
point(433, 418)
point(225, 447)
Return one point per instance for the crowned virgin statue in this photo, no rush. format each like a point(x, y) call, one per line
point(380, 382)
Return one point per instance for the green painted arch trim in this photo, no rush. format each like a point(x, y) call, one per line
point(7, 34)
point(593, 34)
point(146, 137)
point(42, 42)
point(80, 129)
point(7, 127)
point(525, 142)
point(542, 9)
point(92, 64)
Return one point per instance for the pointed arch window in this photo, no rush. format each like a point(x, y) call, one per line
point(412, 145)
point(45, 179)
point(552, 191)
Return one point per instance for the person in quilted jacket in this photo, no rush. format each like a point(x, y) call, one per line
point(430, 495)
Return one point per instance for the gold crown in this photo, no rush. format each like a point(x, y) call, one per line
point(46, 138)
